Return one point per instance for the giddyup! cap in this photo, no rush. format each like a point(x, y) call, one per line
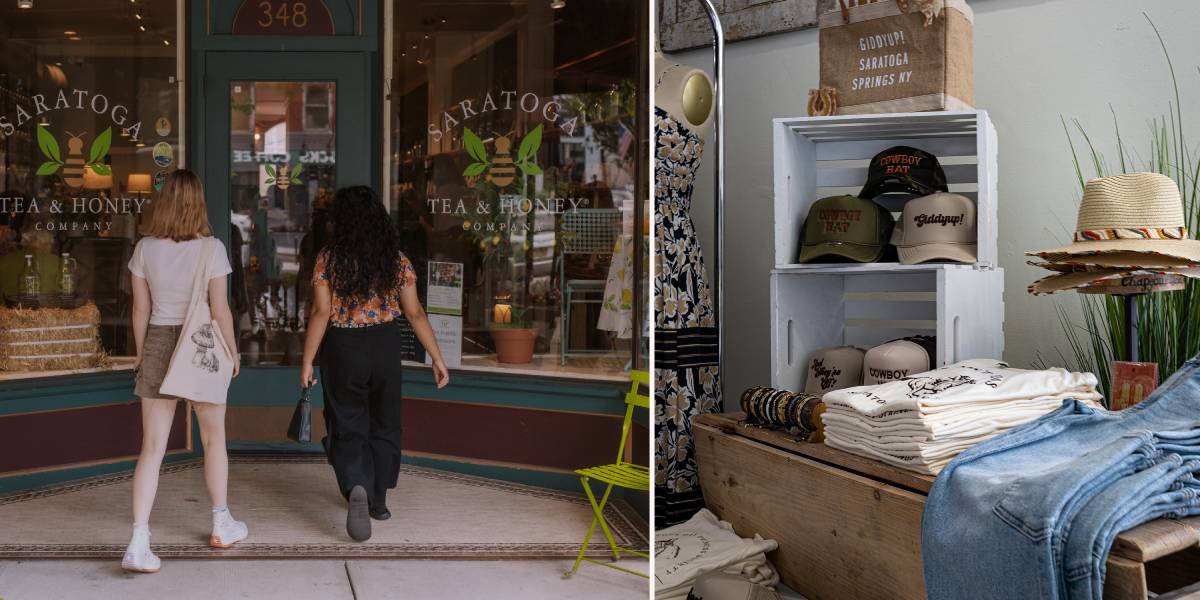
point(939, 226)
point(833, 369)
point(846, 227)
point(904, 170)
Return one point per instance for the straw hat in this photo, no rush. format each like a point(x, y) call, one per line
point(1133, 212)
point(1130, 261)
point(1102, 280)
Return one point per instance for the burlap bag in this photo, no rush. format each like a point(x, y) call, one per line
point(898, 55)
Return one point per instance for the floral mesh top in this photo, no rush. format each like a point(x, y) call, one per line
point(350, 312)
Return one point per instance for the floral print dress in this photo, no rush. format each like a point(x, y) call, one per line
point(685, 326)
point(351, 312)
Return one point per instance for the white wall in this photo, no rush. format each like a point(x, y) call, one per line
point(1034, 61)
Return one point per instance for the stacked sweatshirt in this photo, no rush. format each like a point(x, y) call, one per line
point(923, 421)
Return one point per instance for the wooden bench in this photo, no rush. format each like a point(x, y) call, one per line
point(849, 527)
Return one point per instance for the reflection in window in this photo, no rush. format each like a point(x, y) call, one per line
point(283, 145)
point(514, 152)
point(89, 114)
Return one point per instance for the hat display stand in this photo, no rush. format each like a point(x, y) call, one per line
point(1129, 297)
point(824, 305)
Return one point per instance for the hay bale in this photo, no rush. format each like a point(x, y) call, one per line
point(50, 339)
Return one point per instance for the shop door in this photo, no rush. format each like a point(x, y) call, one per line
point(282, 131)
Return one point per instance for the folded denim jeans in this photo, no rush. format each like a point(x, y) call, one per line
point(1175, 504)
point(1089, 529)
point(995, 519)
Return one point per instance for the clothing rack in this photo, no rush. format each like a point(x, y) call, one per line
point(719, 193)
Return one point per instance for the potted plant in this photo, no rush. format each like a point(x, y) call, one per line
point(514, 334)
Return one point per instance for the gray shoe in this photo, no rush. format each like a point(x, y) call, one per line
point(358, 521)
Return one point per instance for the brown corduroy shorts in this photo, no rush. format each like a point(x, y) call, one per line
point(156, 357)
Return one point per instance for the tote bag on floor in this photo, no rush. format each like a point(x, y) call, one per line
point(202, 364)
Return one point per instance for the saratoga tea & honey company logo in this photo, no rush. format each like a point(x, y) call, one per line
point(500, 168)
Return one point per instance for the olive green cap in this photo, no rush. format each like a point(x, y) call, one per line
point(846, 226)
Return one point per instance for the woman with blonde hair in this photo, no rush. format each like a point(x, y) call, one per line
point(163, 266)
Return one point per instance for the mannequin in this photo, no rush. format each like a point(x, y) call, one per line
point(685, 93)
point(687, 355)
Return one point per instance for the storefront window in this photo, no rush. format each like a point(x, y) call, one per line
point(515, 153)
point(89, 127)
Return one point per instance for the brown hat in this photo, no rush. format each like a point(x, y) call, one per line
point(1098, 280)
point(1132, 212)
point(833, 369)
point(939, 226)
point(1129, 261)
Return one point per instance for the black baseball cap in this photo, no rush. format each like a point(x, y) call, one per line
point(904, 170)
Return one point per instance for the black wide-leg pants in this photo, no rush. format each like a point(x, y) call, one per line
point(360, 371)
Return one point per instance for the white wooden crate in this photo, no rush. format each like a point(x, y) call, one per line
point(865, 305)
point(816, 157)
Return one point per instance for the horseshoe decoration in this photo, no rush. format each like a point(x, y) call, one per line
point(822, 102)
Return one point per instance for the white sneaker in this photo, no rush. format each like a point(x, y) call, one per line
point(138, 557)
point(226, 531)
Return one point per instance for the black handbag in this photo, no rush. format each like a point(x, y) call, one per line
point(300, 429)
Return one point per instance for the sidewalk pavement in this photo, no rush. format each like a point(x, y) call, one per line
point(302, 579)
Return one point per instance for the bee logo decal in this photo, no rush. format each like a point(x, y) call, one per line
point(74, 165)
point(502, 168)
point(283, 178)
point(502, 172)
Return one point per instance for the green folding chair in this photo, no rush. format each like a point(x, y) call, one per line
point(619, 474)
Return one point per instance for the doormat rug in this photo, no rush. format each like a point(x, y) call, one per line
point(293, 509)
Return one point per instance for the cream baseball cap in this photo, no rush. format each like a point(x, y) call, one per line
point(833, 369)
point(939, 226)
point(894, 360)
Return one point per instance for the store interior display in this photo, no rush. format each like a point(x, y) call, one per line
point(921, 422)
point(705, 544)
point(796, 412)
point(944, 412)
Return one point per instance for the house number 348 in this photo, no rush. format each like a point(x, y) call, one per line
point(287, 14)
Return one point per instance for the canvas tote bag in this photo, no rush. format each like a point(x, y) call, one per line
point(202, 364)
point(882, 56)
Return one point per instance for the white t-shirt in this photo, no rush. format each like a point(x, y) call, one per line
point(169, 267)
point(970, 385)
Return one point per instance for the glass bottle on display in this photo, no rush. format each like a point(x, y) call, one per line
point(66, 278)
point(31, 283)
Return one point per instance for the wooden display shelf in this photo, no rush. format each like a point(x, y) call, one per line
point(849, 527)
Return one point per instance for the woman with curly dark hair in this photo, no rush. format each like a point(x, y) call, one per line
point(363, 286)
